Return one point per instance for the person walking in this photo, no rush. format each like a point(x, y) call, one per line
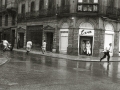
point(28, 47)
point(107, 53)
point(88, 47)
point(44, 47)
point(5, 45)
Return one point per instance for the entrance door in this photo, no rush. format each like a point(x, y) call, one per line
point(13, 37)
point(82, 44)
point(49, 41)
point(108, 40)
point(64, 43)
point(21, 40)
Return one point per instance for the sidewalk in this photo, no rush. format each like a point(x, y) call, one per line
point(70, 57)
point(3, 59)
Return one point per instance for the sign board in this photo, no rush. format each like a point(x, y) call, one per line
point(85, 32)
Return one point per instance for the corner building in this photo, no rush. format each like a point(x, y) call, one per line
point(66, 24)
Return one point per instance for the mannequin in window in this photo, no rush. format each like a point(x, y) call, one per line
point(88, 47)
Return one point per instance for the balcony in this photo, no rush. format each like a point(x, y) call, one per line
point(111, 12)
point(2, 8)
point(11, 6)
point(21, 17)
point(63, 10)
point(87, 8)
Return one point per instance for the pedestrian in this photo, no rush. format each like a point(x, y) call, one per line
point(88, 47)
point(44, 47)
point(28, 47)
point(107, 53)
point(5, 45)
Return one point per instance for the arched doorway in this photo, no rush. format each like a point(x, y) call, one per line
point(109, 37)
point(86, 34)
point(63, 38)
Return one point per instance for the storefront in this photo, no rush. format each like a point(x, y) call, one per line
point(109, 37)
point(63, 38)
point(86, 34)
point(35, 33)
point(21, 37)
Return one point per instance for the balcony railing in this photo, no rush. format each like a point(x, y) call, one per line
point(112, 11)
point(63, 9)
point(87, 7)
point(21, 17)
point(109, 11)
point(11, 6)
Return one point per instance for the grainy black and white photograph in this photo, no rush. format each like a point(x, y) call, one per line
point(59, 44)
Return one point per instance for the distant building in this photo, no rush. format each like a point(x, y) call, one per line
point(65, 24)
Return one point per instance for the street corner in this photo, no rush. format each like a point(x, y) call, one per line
point(3, 60)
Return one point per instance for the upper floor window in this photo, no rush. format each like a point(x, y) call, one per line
point(87, 5)
point(6, 20)
point(50, 4)
point(1, 20)
point(23, 9)
point(32, 6)
point(64, 2)
point(41, 4)
point(13, 19)
point(87, 1)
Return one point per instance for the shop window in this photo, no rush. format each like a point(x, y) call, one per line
point(32, 6)
point(23, 8)
point(6, 20)
point(41, 4)
point(88, 5)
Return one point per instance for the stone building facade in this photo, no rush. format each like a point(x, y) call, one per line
point(67, 25)
point(8, 20)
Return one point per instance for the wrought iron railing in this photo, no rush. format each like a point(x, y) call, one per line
point(11, 5)
point(87, 7)
point(63, 9)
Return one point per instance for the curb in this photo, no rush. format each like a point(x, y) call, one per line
point(82, 59)
point(3, 61)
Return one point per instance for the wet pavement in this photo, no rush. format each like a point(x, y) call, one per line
point(39, 72)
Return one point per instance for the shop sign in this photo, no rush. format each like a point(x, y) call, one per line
point(86, 32)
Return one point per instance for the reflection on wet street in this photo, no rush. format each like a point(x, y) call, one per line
point(36, 72)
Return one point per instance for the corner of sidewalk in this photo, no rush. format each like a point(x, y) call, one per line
point(3, 60)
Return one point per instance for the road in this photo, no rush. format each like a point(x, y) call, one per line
point(37, 72)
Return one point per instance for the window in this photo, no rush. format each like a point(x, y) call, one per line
point(88, 5)
point(95, 1)
point(23, 8)
point(13, 19)
point(87, 1)
point(41, 4)
point(32, 6)
point(50, 4)
point(6, 20)
point(64, 2)
point(0, 20)
point(80, 1)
